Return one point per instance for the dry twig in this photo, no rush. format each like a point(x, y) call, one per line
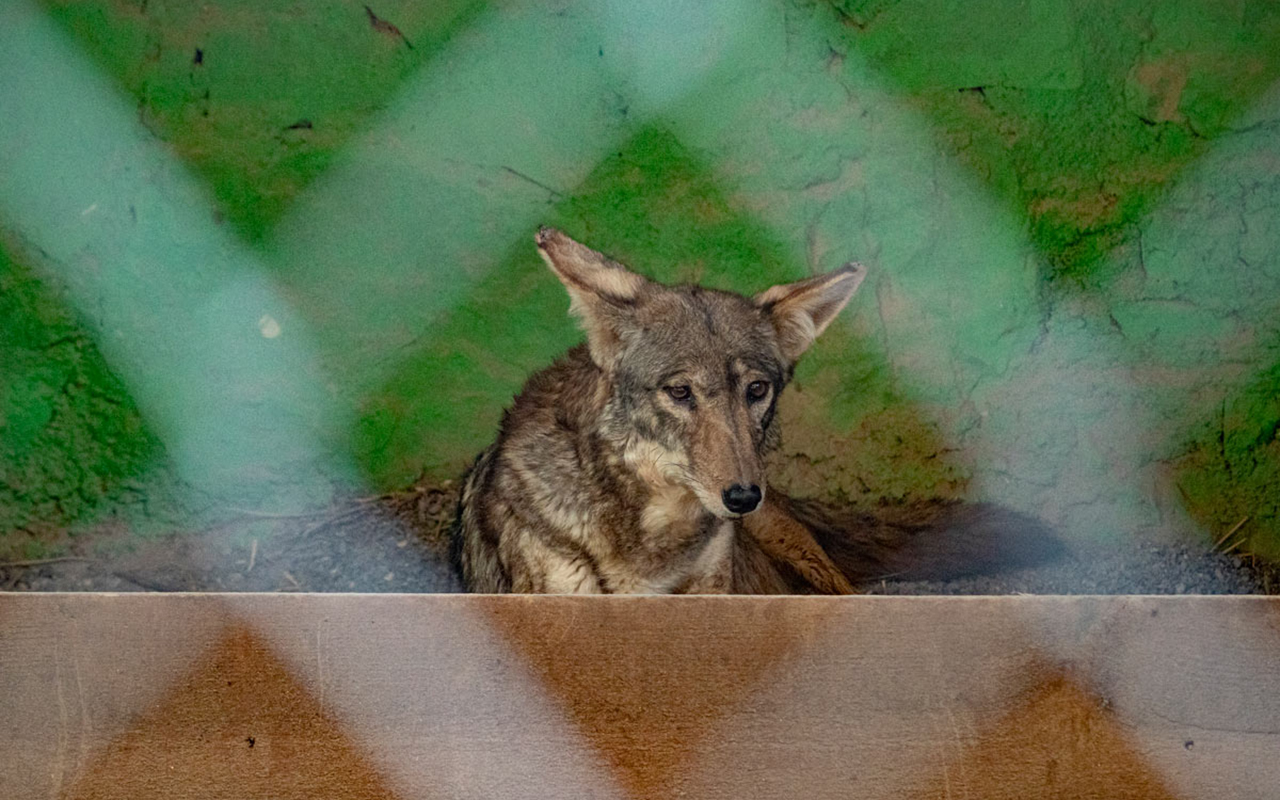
point(1229, 534)
point(39, 562)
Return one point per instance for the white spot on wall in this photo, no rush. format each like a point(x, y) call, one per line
point(269, 327)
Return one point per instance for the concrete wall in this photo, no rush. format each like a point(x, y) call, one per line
point(256, 251)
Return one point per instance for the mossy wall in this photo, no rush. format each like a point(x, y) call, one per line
point(74, 446)
point(1068, 208)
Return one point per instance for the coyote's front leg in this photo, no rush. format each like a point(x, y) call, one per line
point(783, 538)
point(544, 570)
point(713, 571)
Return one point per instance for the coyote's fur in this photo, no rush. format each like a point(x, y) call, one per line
point(636, 463)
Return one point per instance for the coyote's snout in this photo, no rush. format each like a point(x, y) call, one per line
point(636, 462)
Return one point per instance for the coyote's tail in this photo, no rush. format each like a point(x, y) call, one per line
point(934, 540)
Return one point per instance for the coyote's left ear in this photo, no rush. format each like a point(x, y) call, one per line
point(800, 311)
point(603, 293)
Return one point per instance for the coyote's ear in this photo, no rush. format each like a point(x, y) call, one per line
point(603, 293)
point(800, 311)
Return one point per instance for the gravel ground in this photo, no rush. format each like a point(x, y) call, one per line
point(393, 543)
point(398, 543)
point(1138, 568)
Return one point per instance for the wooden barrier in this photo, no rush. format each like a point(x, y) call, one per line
point(433, 696)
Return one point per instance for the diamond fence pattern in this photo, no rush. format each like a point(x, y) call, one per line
point(353, 229)
point(276, 291)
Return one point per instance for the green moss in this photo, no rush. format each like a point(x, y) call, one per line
point(1231, 472)
point(73, 446)
point(1082, 118)
point(259, 96)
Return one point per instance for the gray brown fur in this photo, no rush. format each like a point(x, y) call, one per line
point(605, 479)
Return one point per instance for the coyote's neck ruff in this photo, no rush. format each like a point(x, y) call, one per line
point(636, 462)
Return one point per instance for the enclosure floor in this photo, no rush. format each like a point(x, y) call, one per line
point(399, 543)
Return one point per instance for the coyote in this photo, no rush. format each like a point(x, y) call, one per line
point(636, 463)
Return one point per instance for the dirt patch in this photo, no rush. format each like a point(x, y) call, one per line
point(1164, 82)
point(892, 456)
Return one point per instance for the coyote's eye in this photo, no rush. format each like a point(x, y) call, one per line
point(680, 394)
point(757, 390)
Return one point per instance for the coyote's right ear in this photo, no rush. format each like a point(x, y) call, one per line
point(800, 311)
point(602, 291)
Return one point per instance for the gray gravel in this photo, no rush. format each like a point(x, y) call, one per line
point(398, 543)
point(1140, 568)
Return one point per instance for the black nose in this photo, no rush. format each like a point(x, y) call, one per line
point(741, 499)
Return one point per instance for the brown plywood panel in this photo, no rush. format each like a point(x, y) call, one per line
point(441, 701)
point(237, 726)
point(75, 671)
point(1059, 742)
point(647, 699)
point(456, 696)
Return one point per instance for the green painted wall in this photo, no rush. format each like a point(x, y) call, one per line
point(1068, 208)
point(74, 446)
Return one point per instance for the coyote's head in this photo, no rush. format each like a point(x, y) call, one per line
point(694, 373)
